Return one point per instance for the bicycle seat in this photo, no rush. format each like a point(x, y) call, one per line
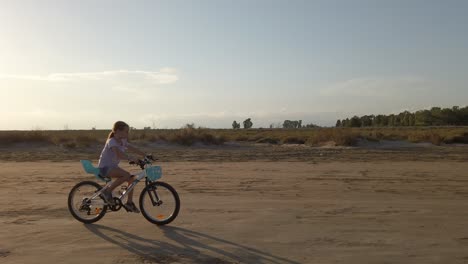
point(89, 168)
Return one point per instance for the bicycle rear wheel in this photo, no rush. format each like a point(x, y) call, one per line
point(159, 203)
point(83, 208)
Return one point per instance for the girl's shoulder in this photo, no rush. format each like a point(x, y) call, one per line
point(112, 142)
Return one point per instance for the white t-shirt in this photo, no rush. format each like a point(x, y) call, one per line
point(108, 157)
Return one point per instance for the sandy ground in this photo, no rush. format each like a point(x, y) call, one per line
point(238, 151)
point(249, 212)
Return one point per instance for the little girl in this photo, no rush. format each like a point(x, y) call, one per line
point(113, 152)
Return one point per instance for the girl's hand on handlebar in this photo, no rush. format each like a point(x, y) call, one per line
point(150, 157)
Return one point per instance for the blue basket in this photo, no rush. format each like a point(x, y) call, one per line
point(153, 173)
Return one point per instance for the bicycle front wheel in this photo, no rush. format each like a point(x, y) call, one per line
point(159, 203)
point(83, 206)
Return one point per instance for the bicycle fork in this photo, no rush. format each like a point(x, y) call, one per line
point(154, 196)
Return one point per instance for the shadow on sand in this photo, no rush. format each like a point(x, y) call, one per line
point(188, 248)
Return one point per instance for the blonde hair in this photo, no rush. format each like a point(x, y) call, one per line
point(119, 125)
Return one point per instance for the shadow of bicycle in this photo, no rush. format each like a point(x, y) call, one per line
point(188, 248)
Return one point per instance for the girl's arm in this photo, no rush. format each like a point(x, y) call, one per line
point(121, 155)
point(135, 150)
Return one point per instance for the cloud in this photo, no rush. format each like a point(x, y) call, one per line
point(374, 86)
point(163, 76)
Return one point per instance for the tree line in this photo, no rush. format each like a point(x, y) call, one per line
point(286, 124)
point(436, 116)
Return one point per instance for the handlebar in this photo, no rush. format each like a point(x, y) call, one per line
point(150, 157)
point(142, 163)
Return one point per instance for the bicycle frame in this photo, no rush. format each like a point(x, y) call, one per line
point(139, 177)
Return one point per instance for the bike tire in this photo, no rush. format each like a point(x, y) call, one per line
point(70, 203)
point(143, 208)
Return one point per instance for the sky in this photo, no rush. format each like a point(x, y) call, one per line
point(163, 64)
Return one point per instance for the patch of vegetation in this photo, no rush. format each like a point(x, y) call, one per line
point(190, 135)
point(268, 140)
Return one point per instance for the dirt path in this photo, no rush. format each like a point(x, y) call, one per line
point(249, 212)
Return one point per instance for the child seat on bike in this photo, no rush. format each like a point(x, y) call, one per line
point(89, 168)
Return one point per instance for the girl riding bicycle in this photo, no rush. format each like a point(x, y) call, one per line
point(114, 151)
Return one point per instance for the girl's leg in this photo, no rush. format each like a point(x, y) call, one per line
point(120, 177)
point(130, 194)
point(129, 205)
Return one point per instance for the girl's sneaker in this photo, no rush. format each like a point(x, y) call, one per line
point(131, 207)
point(107, 195)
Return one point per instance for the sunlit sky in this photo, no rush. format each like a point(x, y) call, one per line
point(83, 64)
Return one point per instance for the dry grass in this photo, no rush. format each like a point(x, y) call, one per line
point(190, 135)
point(349, 136)
point(88, 138)
point(14, 137)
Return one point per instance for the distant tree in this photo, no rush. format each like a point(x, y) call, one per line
point(449, 117)
point(411, 120)
point(457, 115)
point(189, 126)
point(147, 128)
point(436, 116)
point(355, 122)
point(288, 124)
point(405, 121)
point(345, 123)
point(423, 118)
point(391, 120)
point(248, 123)
point(397, 120)
point(463, 116)
point(378, 121)
point(311, 126)
point(292, 124)
point(385, 120)
point(366, 121)
point(338, 123)
point(235, 125)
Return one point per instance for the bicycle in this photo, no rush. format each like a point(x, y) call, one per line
point(159, 201)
